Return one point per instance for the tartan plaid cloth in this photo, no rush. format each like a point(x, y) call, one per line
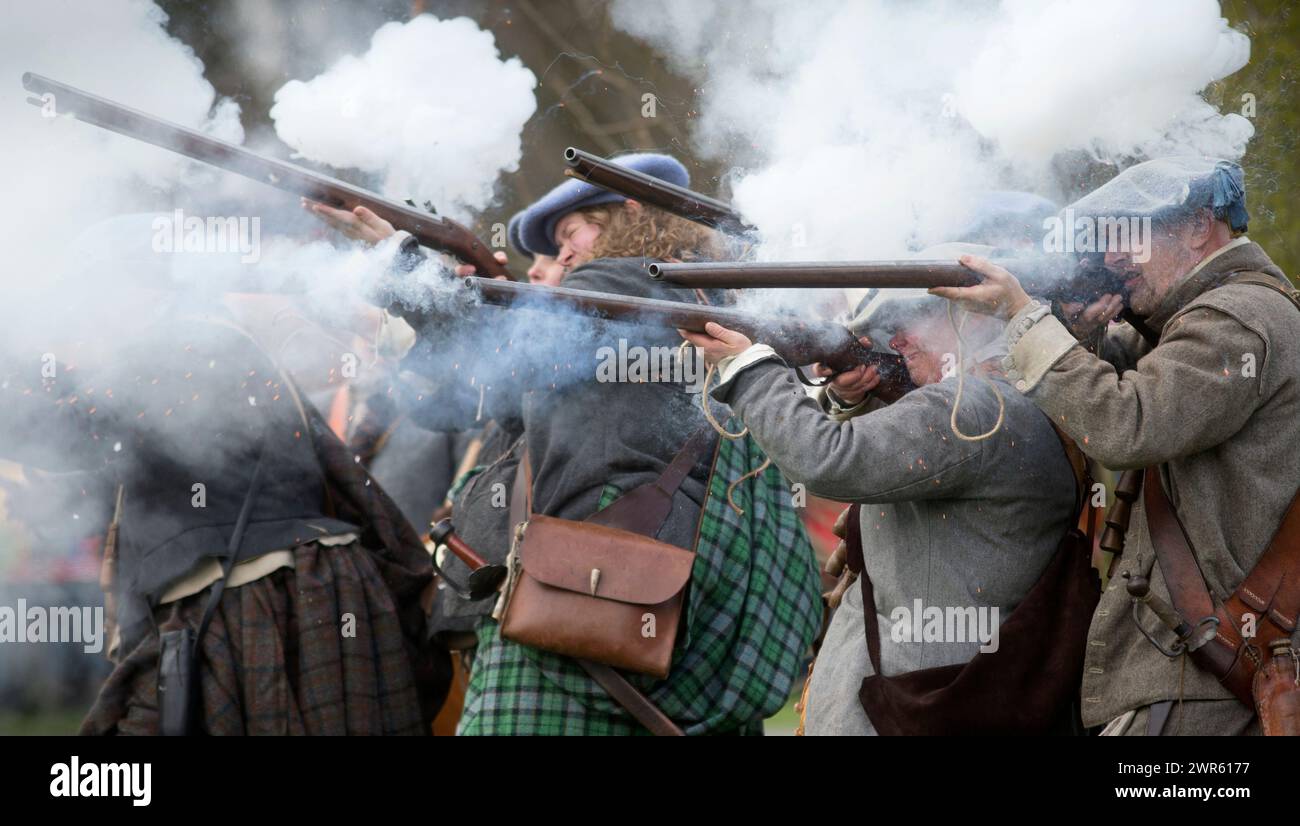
point(753, 610)
point(275, 660)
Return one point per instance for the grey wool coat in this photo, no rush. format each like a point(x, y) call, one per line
point(952, 523)
point(584, 434)
point(1217, 405)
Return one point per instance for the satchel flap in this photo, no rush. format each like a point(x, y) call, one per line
point(621, 565)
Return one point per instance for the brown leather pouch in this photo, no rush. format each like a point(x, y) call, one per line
point(1277, 692)
point(594, 590)
point(596, 593)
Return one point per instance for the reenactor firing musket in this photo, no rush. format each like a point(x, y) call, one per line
point(433, 231)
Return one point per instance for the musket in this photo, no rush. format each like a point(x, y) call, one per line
point(648, 189)
point(797, 341)
point(1059, 277)
point(433, 231)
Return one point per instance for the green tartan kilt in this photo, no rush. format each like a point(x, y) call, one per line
point(753, 612)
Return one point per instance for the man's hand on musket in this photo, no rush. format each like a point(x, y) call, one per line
point(463, 270)
point(359, 224)
point(717, 342)
point(1083, 321)
point(851, 386)
point(999, 294)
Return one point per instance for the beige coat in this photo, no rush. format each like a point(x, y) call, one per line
point(1217, 402)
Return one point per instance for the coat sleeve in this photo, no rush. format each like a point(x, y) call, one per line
point(905, 451)
point(1187, 395)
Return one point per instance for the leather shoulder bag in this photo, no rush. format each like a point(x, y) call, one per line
point(603, 591)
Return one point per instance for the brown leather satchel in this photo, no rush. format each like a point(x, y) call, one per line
point(1270, 594)
point(602, 590)
point(1030, 685)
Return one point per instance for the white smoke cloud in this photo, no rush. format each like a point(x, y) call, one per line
point(62, 176)
point(1110, 77)
point(868, 125)
point(431, 107)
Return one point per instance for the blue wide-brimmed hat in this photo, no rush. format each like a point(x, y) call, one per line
point(512, 233)
point(537, 226)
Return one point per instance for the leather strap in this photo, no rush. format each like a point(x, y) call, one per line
point(1259, 279)
point(856, 563)
point(189, 721)
point(636, 703)
point(1174, 553)
point(645, 508)
point(1271, 588)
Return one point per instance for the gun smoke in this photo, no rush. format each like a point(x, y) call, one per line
point(429, 108)
point(87, 276)
point(867, 127)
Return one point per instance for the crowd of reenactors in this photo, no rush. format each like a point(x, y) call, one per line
point(509, 545)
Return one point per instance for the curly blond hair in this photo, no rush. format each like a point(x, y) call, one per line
point(649, 232)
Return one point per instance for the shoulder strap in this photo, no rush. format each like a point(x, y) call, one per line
point(1079, 467)
point(645, 508)
point(856, 562)
point(1272, 587)
point(637, 704)
point(1174, 553)
point(642, 510)
point(1259, 279)
point(183, 714)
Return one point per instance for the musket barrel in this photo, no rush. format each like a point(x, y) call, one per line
point(648, 189)
point(611, 306)
point(1057, 277)
point(798, 342)
point(816, 274)
point(431, 230)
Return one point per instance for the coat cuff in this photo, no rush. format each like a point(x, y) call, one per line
point(408, 256)
point(731, 366)
point(395, 338)
point(1036, 351)
point(839, 411)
